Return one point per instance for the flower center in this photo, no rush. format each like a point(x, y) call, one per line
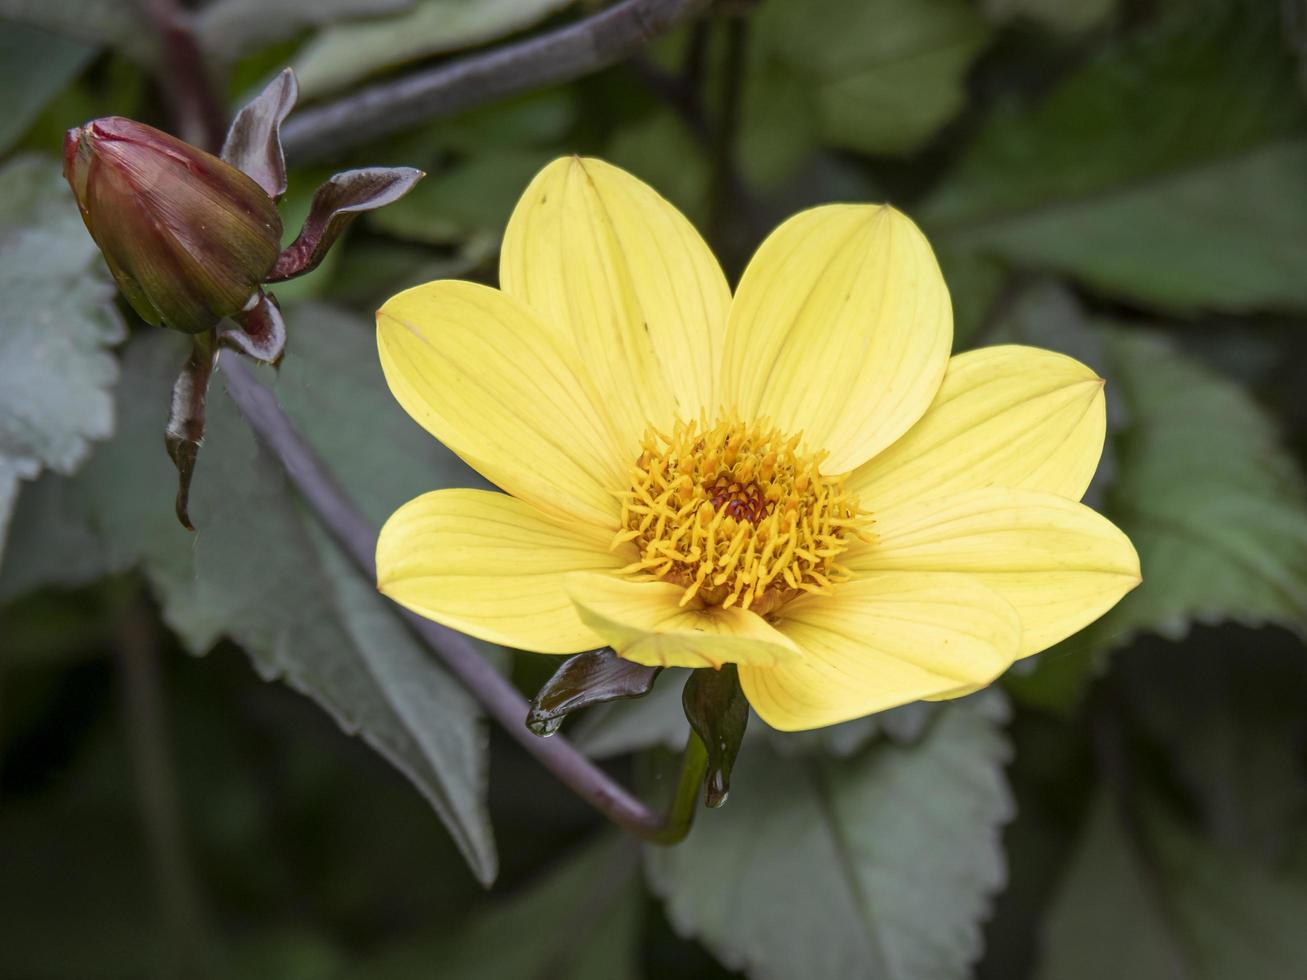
point(736, 515)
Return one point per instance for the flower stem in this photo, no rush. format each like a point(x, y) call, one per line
point(500, 699)
point(689, 787)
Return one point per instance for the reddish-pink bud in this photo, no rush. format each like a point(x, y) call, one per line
point(188, 238)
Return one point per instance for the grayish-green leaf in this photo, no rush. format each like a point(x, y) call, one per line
point(1166, 170)
point(1158, 902)
point(347, 53)
point(34, 66)
point(880, 866)
point(259, 570)
point(56, 324)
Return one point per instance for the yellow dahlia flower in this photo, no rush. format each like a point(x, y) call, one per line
point(797, 479)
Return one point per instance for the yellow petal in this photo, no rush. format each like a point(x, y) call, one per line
point(840, 330)
point(883, 641)
point(1059, 563)
point(599, 252)
point(492, 566)
point(486, 377)
point(645, 623)
point(1005, 416)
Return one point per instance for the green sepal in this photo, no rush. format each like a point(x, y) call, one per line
point(718, 712)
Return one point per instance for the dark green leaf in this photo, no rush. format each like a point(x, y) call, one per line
point(880, 866)
point(34, 66)
point(580, 921)
point(717, 710)
point(1228, 715)
point(594, 677)
point(1157, 902)
point(1166, 170)
point(880, 76)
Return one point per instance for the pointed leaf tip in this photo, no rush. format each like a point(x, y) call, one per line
point(335, 204)
point(254, 140)
point(588, 678)
point(185, 432)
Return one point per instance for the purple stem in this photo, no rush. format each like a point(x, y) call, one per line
point(359, 539)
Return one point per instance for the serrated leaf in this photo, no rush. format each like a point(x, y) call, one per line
point(1209, 496)
point(258, 569)
point(56, 325)
point(34, 66)
point(882, 76)
point(1165, 170)
point(1158, 902)
point(347, 53)
point(880, 866)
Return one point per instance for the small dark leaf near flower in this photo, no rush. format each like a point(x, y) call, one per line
point(261, 331)
point(254, 140)
point(588, 678)
point(185, 432)
point(718, 712)
point(335, 204)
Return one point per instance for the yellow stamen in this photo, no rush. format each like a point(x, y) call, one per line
point(737, 515)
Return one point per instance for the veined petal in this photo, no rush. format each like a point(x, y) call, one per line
point(490, 565)
point(486, 377)
point(599, 252)
point(1006, 416)
point(644, 622)
point(1059, 563)
point(840, 330)
point(882, 641)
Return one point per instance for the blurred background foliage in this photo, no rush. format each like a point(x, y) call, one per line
point(1123, 180)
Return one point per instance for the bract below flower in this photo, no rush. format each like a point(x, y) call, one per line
point(797, 479)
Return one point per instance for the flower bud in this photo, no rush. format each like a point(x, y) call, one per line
point(188, 238)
